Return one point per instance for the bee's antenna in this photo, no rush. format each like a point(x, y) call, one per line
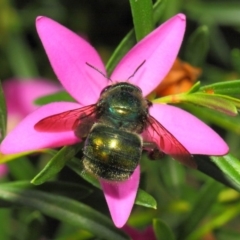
point(136, 70)
point(99, 71)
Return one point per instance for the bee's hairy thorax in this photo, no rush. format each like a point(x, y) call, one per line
point(123, 107)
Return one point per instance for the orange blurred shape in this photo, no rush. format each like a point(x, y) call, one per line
point(180, 79)
point(209, 236)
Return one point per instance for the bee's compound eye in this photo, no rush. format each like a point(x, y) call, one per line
point(105, 89)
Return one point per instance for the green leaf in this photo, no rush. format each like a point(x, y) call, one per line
point(171, 8)
point(142, 198)
point(162, 230)
point(219, 45)
point(176, 177)
point(68, 189)
point(5, 226)
point(230, 166)
point(231, 88)
point(216, 102)
point(205, 199)
point(214, 15)
point(223, 234)
point(64, 209)
point(35, 221)
point(55, 97)
point(232, 100)
point(210, 168)
point(68, 232)
point(217, 221)
point(197, 46)
point(56, 163)
point(146, 200)
point(221, 13)
point(142, 13)
point(127, 43)
point(16, 169)
point(159, 10)
point(77, 166)
point(129, 40)
point(235, 59)
point(3, 114)
point(211, 116)
point(194, 88)
point(20, 57)
point(10, 157)
point(209, 96)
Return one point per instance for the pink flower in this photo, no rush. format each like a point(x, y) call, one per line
point(68, 54)
point(147, 233)
point(20, 95)
point(3, 170)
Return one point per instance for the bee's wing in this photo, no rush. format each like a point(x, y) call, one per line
point(66, 121)
point(167, 143)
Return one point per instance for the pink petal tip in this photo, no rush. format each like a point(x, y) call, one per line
point(182, 16)
point(120, 197)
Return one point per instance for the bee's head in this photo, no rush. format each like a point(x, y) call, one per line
point(121, 87)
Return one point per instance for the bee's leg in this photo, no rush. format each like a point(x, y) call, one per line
point(154, 152)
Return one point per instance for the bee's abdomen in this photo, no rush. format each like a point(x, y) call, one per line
point(110, 153)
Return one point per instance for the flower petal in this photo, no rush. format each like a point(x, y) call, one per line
point(68, 54)
point(20, 94)
point(147, 233)
point(195, 135)
point(25, 138)
point(120, 197)
point(159, 49)
point(3, 170)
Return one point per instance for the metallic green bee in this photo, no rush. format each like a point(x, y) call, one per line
point(112, 131)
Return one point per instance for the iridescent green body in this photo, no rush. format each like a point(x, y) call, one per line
point(110, 153)
point(122, 106)
point(113, 147)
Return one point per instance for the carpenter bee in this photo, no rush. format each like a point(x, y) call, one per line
point(112, 130)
